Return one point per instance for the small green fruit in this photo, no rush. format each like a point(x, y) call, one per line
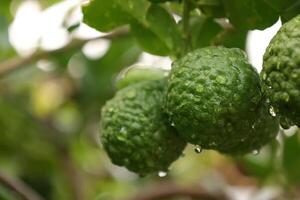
point(214, 99)
point(281, 73)
point(136, 73)
point(133, 129)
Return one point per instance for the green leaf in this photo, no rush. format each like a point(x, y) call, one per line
point(148, 40)
point(287, 9)
point(234, 39)
point(159, 34)
point(291, 11)
point(203, 30)
point(104, 15)
point(250, 14)
point(163, 25)
point(212, 8)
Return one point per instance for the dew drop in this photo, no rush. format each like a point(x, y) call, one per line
point(253, 126)
point(272, 112)
point(255, 152)
point(162, 173)
point(173, 124)
point(198, 149)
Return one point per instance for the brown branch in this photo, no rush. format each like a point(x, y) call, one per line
point(16, 63)
point(19, 187)
point(167, 190)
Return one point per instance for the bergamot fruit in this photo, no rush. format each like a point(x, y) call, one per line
point(281, 73)
point(138, 73)
point(134, 131)
point(214, 100)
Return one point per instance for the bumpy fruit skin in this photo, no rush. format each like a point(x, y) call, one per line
point(134, 132)
point(281, 73)
point(214, 100)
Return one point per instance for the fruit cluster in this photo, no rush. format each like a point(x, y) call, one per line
point(212, 98)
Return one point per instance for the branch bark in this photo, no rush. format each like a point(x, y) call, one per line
point(19, 187)
point(168, 190)
point(16, 63)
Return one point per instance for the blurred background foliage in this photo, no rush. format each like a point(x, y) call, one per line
point(49, 109)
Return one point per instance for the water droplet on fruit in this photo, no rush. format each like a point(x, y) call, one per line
point(162, 173)
point(255, 152)
point(198, 149)
point(272, 112)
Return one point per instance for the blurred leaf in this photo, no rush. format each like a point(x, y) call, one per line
point(291, 161)
point(250, 14)
point(7, 194)
point(261, 165)
point(5, 10)
point(98, 83)
point(6, 49)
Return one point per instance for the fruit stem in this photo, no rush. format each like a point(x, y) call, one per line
point(186, 30)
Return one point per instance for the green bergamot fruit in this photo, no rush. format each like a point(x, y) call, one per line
point(281, 73)
point(214, 100)
point(134, 131)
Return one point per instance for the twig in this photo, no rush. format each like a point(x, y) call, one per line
point(168, 190)
point(16, 63)
point(19, 187)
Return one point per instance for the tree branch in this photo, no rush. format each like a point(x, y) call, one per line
point(16, 63)
point(19, 187)
point(168, 189)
